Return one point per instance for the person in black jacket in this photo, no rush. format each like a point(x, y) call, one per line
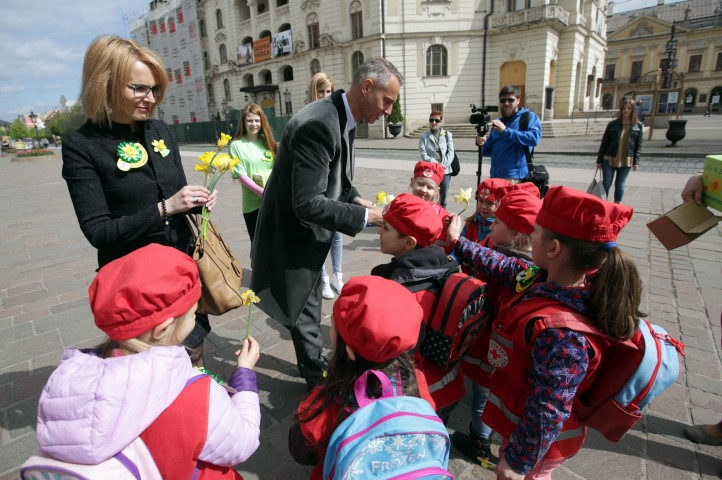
point(123, 169)
point(620, 149)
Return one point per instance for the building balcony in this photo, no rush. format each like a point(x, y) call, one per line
point(650, 78)
point(550, 14)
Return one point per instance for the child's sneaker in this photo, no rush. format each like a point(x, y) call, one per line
point(327, 293)
point(337, 282)
point(476, 448)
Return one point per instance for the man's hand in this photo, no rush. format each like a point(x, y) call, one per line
point(693, 189)
point(362, 202)
point(498, 125)
point(480, 141)
point(375, 216)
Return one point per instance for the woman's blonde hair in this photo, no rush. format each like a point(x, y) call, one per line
point(107, 66)
point(266, 132)
point(134, 345)
point(320, 81)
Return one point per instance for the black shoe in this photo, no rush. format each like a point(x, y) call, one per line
point(477, 449)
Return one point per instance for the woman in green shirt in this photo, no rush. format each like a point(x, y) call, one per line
point(255, 147)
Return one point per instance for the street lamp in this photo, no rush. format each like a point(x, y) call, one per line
point(34, 119)
point(671, 50)
point(212, 111)
point(287, 99)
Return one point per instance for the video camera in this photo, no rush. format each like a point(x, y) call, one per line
point(481, 118)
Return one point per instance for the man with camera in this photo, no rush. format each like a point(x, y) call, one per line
point(512, 134)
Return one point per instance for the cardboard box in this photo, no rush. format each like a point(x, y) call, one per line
point(682, 224)
point(712, 181)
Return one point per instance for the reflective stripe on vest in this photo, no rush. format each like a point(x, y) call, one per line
point(478, 363)
point(506, 412)
point(445, 380)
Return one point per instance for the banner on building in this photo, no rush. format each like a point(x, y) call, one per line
point(244, 54)
point(262, 49)
point(282, 43)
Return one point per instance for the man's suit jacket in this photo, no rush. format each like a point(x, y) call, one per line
point(305, 202)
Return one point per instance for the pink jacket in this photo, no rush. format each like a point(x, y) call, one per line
point(91, 408)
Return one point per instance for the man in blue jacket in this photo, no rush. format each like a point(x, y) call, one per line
point(511, 136)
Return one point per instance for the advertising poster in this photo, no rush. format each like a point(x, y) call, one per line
point(282, 44)
point(244, 54)
point(262, 49)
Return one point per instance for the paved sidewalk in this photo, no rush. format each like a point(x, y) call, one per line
point(46, 266)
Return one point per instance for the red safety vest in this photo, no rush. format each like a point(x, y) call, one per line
point(510, 355)
point(176, 438)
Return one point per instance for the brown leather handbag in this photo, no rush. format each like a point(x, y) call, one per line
point(220, 272)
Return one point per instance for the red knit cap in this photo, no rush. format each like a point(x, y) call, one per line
point(141, 290)
point(490, 189)
point(432, 170)
point(582, 216)
point(415, 217)
point(527, 186)
point(518, 210)
point(378, 318)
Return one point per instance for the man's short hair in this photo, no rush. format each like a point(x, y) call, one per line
point(510, 90)
point(379, 70)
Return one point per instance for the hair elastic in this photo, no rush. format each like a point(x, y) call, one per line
point(609, 245)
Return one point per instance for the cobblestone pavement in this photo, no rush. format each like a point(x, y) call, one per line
point(46, 266)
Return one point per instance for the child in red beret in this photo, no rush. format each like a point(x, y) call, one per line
point(478, 226)
point(375, 323)
point(511, 234)
point(409, 231)
point(140, 381)
point(426, 181)
point(542, 367)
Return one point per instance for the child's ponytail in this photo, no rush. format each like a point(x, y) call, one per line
point(616, 294)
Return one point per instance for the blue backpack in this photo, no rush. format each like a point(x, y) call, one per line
point(390, 437)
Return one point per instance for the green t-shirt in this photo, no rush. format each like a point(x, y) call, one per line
point(254, 158)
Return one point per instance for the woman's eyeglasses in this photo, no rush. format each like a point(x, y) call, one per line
point(142, 91)
point(434, 120)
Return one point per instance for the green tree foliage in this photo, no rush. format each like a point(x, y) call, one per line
point(18, 130)
point(68, 121)
point(396, 116)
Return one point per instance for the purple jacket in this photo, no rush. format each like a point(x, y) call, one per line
point(92, 408)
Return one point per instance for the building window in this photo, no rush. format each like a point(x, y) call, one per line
point(636, 71)
point(202, 25)
point(357, 27)
point(267, 77)
point(437, 61)
point(206, 61)
point(222, 52)
point(219, 18)
point(280, 3)
point(287, 73)
point(227, 89)
point(609, 71)
point(261, 8)
point(210, 92)
point(357, 58)
point(695, 63)
point(517, 5)
point(690, 96)
point(314, 38)
point(315, 66)
point(718, 63)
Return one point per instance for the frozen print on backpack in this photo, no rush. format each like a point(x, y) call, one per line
point(393, 436)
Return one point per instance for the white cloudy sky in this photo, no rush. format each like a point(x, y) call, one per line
point(42, 43)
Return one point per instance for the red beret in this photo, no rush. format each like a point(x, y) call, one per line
point(582, 216)
point(527, 186)
point(415, 217)
point(141, 290)
point(378, 318)
point(432, 170)
point(490, 189)
point(518, 210)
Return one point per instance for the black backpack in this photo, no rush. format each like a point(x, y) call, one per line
point(538, 174)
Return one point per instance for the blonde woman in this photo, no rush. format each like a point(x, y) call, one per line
point(123, 169)
point(321, 86)
point(256, 148)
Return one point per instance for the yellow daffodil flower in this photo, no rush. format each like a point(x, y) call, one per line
point(390, 198)
point(381, 198)
point(223, 141)
point(204, 162)
point(464, 196)
point(249, 298)
point(221, 162)
point(159, 146)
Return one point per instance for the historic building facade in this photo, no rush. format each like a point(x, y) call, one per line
point(451, 52)
point(680, 73)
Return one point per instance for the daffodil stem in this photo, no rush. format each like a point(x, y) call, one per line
point(248, 323)
point(467, 206)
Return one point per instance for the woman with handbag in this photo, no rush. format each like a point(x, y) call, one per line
point(437, 145)
point(254, 145)
point(620, 149)
point(123, 169)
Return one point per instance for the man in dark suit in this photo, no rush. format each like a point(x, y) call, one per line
point(308, 198)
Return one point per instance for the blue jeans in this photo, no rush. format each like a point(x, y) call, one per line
point(479, 396)
point(443, 188)
point(336, 254)
point(621, 179)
